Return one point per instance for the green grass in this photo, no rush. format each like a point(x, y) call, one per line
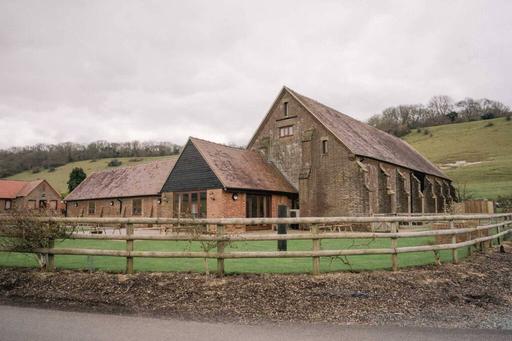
point(59, 178)
point(274, 265)
point(472, 142)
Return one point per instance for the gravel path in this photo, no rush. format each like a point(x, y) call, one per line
point(474, 294)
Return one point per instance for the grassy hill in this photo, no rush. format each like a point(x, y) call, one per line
point(59, 178)
point(477, 154)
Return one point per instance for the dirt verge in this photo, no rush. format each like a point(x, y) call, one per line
point(473, 294)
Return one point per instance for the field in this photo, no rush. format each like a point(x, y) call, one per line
point(281, 265)
point(486, 147)
point(59, 178)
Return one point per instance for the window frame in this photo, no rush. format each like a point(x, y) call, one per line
point(91, 207)
point(286, 109)
point(8, 201)
point(325, 146)
point(286, 131)
point(137, 209)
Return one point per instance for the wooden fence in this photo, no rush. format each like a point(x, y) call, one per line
point(479, 235)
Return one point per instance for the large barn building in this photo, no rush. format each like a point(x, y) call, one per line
point(342, 166)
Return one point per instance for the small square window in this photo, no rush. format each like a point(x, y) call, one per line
point(285, 131)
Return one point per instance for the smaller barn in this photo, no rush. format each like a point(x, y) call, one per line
point(28, 195)
point(211, 180)
point(133, 191)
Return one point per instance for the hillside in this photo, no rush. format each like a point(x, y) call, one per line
point(477, 154)
point(60, 176)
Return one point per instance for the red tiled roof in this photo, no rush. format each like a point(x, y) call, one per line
point(12, 189)
point(141, 180)
point(242, 169)
point(364, 140)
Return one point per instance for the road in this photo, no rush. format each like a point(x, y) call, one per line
point(20, 323)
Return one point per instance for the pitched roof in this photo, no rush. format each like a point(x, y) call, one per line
point(241, 168)
point(141, 180)
point(12, 189)
point(364, 140)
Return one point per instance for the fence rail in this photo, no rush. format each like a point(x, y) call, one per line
point(221, 238)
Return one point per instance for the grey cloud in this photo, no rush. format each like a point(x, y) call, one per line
point(122, 70)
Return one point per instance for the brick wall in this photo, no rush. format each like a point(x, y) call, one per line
point(114, 208)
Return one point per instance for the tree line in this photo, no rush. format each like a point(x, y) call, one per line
point(50, 156)
point(400, 120)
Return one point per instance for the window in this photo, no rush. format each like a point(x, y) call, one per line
point(137, 207)
point(190, 204)
point(258, 206)
point(285, 108)
point(92, 207)
point(8, 205)
point(53, 204)
point(285, 131)
point(324, 146)
point(42, 204)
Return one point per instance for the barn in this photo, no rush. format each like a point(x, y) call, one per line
point(28, 195)
point(211, 180)
point(342, 166)
point(123, 192)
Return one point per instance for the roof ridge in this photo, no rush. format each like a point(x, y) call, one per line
point(217, 143)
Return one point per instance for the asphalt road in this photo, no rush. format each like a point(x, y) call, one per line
point(20, 323)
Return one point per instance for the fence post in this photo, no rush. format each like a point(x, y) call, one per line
point(316, 247)
point(394, 245)
point(50, 257)
point(455, 258)
point(129, 248)
point(220, 250)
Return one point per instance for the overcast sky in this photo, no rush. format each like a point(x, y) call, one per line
point(122, 70)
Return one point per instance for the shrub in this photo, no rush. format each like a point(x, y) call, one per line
point(114, 163)
point(135, 159)
point(51, 169)
point(426, 132)
point(487, 116)
point(489, 124)
point(26, 231)
point(418, 130)
point(508, 118)
point(36, 170)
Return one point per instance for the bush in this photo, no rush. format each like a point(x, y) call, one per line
point(114, 163)
point(487, 116)
point(26, 231)
point(76, 177)
point(418, 130)
point(508, 118)
point(489, 124)
point(51, 169)
point(135, 160)
point(426, 132)
point(36, 170)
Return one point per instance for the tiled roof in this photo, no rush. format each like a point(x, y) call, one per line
point(242, 169)
point(12, 189)
point(364, 140)
point(141, 180)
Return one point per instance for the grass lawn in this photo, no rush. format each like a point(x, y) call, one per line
point(59, 178)
point(477, 141)
point(273, 265)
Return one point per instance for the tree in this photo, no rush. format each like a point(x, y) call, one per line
point(76, 176)
point(439, 107)
point(452, 115)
